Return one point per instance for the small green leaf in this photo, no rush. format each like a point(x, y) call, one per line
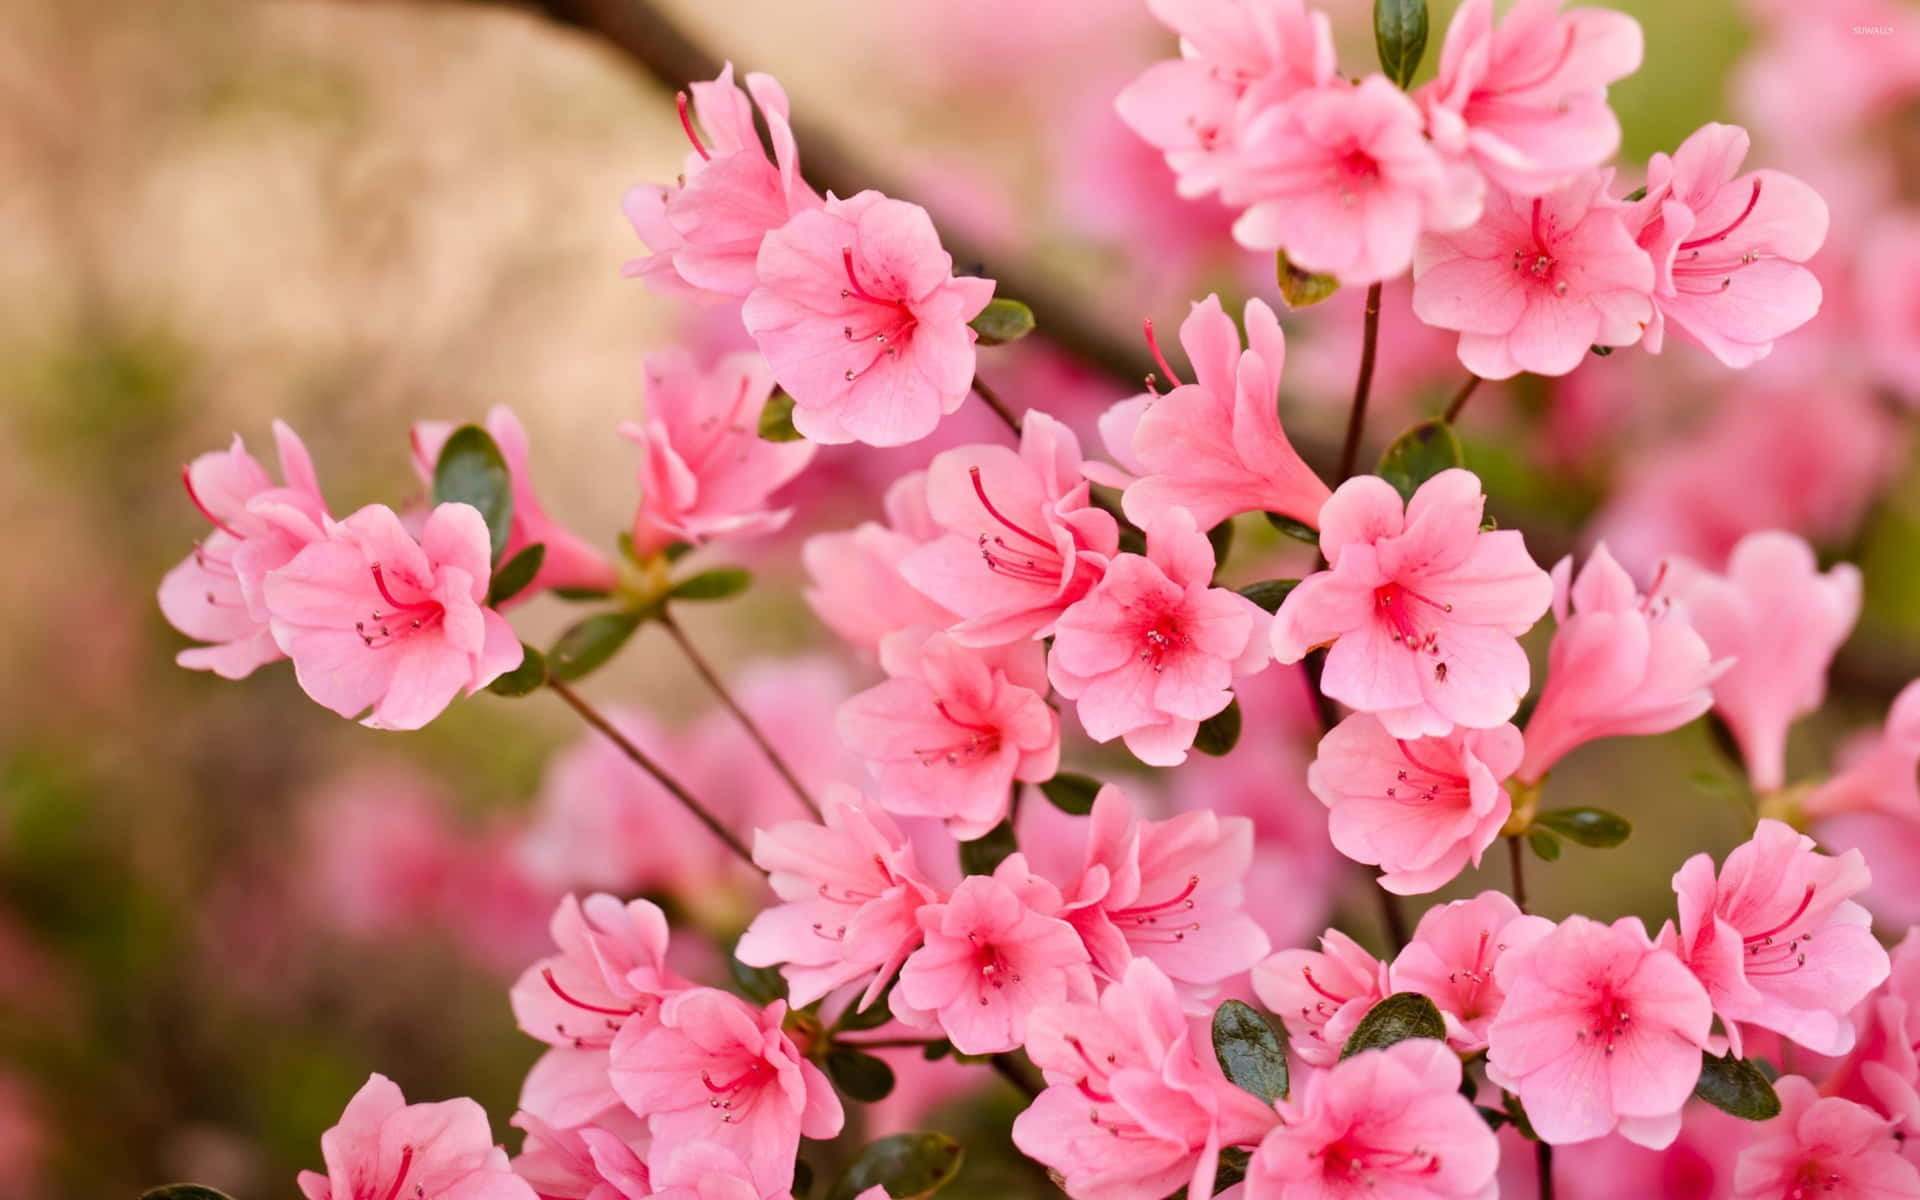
point(675, 551)
point(906, 1164)
point(859, 1075)
point(1736, 1086)
point(1636, 195)
point(581, 594)
point(715, 584)
point(1299, 531)
point(1544, 844)
point(937, 1050)
point(984, 853)
point(515, 574)
point(762, 985)
point(1400, 1016)
point(586, 645)
point(1587, 826)
point(1302, 289)
point(1249, 1052)
point(1400, 35)
point(1601, 351)
point(871, 1017)
point(1220, 537)
point(1220, 732)
point(1268, 593)
point(472, 471)
point(1071, 793)
point(184, 1191)
point(776, 419)
point(529, 676)
point(1418, 455)
point(1002, 321)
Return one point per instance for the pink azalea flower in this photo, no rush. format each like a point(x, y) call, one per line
point(215, 594)
point(1890, 302)
point(857, 588)
point(1824, 1147)
point(1388, 1122)
point(569, 562)
point(611, 969)
point(1422, 607)
point(1321, 994)
point(372, 618)
point(1215, 446)
point(1452, 957)
point(859, 315)
point(1537, 281)
point(1343, 178)
point(1419, 809)
point(1781, 621)
point(1023, 540)
point(1883, 1070)
point(717, 1070)
point(994, 954)
point(1621, 663)
point(706, 472)
point(383, 1144)
point(1528, 100)
point(1153, 649)
point(1873, 804)
point(1601, 1029)
point(1728, 250)
point(1777, 938)
point(602, 1161)
point(1133, 1110)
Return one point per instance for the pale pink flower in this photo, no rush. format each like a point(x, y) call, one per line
point(1421, 605)
point(1781, 621)
point(373, 619)
point(378, 849)
point(569, 561)
point(1527, 100)
point(1600, 1029)
point(1777, 939)
point(1215, 446)
point(1621, 663)
point(856, 586)
point(1133, 1110)
point(862, 321)
point(1321, 994)
point(383, 1145)
point(1883, 1070)
point(1451, 960)
point(1872, 803)
point(1889, 286)
point(1420, 809)
point(1824, 1147)
point(601, 1161)
point(1388, 1122)
point(1537, 282)
point(215, 594)
point(611, 969)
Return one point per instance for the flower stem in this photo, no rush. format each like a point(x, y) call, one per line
point(1460, 399)
point(1543, 1163)
point(1010, 1070)
point(1519, 876)
point(1391, 917)
point(719, 689)
point(1357, 416)
point(998, 405)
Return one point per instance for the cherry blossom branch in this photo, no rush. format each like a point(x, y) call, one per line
point(998, 405)
point(719, 689)
point(1357, 415)
point(1460, 399)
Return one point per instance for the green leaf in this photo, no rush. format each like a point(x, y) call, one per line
point(1544, 844)
point(1400, 35)
point(184, 1191)
point(937, 1050)
point(1636, 195)
point(776, 419)
point(1220, 537)
point(906, 1164)
point(1220, 732)
point(529, 676)
point(1249, 1052)
point(1601, 351)
point(1268, 593)
point(871, 1017)
point(1299, 531)
point(586, 645)
point(1418, 455)
point(472, 471)
point(1736, 1086)
point(581, 594)
point(515, 574)
point(1071, 793)
point(675, 551)
point(859, 1075)
point(762, 985)
point(1400, 1016)
point(716, 584)
point(1301, 289)
point(1002, 321)
point(984, 853)
point(1587, 826)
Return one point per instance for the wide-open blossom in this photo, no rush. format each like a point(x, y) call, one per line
point(1537, 281)
point(384, 1147)
point(1600, 1030)
point(373, 619)
point(1133, 1110)
point(1422, 607)
point(1321, 994)
point(855, 585)
point(1419, 809)
point(1824, 1147)
point(1451, 958)
point(862, 321)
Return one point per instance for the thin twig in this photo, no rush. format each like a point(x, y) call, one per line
point(1009, 1070)
point(1519, 876)
point(1392, 918)
point(1460, 399)
point(1543, 1162)
point(713, 681)
point(1357, 415)
point(998, 405)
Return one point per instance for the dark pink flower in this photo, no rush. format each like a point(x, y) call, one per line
point(383, 1145)
point(1451, 961)
point(1830, 1148)
point(1321, 994)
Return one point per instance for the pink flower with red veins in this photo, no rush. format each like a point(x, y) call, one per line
point(705, 233)
point(1621, 663)
point(1451, 961)
point(1601, 1030)
point(1215, 446)
point(862, 321)
point(1023, 539)
point(384, 1147)
point(1388, 1122)
point(856, 587)
point(706, 471)
point(1421, 606)
point(717, 1070)
point(1883, 1071)
point(1824, 1147)
point(1781, 621)
point(851, 893)
point(1777, 938)
point(215, 594)
point(994, 953)
point(373, 619)
point(1154, 648)
point(1527, 101)
point(1537, 281)
point(1343, 179)
point(1133, 1110)
point(1420, 809)
point(949, 734)
point(569, 561)
point(1321, 994)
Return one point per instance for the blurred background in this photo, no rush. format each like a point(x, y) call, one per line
point(221, 907)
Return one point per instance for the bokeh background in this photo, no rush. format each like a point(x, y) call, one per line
point(221, 907)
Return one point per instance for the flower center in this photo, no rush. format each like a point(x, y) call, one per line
point(896, 329)
point(382, 629)
point(1164, 637)
point(1766, 955)
point(1608, 1022)
point(1695, 259)
point(1397, 607)
point(1145, 919)
point(743, 1089)
point(1537, 261)
point(1036, 562)
point(995, 971)
point(977, 741)
point(1423, 783)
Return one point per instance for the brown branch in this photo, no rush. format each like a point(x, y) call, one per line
point(719, 689)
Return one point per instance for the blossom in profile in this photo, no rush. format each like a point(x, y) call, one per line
point(384, 1146)
point(1824, 1146)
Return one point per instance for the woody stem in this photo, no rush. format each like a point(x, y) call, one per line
point(1460, 399)
point(719, 689)
point(1357, 416)
point(1543, 1162)
point(1519, 877)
